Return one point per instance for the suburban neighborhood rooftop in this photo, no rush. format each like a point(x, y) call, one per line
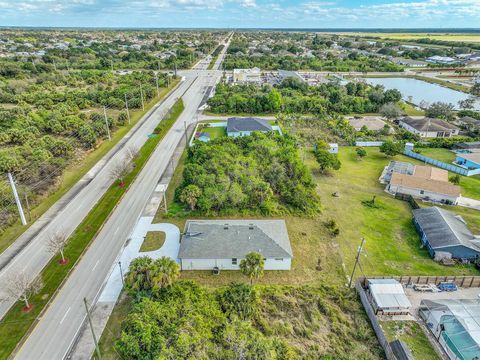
point(428, 124)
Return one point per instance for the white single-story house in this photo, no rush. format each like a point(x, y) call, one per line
point(238, 126)
point(428, 127)
point(222, 244)
point(427, 183)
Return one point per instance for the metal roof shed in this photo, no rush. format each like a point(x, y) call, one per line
point(388, 297)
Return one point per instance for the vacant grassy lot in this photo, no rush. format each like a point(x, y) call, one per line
point(215, 132)
point(411, 333)
point(392, 243)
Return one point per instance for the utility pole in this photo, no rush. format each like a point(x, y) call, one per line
point(54, 65)
point(28, 207)
point(106, 122)
point(126, 107)
point(111, 64)
point(17, 199)
point(356, 261)
point(156, 83)
point(141, 96)
point(97, 349)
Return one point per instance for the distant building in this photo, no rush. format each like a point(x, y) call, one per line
point(238, 126)
point(428, 127)
point(469, 121)
point(388, 297)
point(284, 74)
point(442, 60)
point(443, 231)
point(247, 75)
point(207, 244)
point(426, 182)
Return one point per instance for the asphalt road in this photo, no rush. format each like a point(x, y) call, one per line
point(59, 325)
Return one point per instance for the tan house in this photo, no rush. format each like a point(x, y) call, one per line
point(426, 183)
point(428, 127)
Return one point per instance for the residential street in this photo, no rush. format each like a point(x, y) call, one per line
point(57, 329)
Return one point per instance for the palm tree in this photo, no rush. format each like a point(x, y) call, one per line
point(139, 276)
point(253, 265)
point(165, 272)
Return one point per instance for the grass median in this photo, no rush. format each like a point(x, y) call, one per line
point(76, 171)
point(16, 324)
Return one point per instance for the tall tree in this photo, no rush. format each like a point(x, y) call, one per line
point(253, 265)
point(165, 272)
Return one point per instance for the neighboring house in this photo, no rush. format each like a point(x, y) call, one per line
point(207, 244)
point(469, 122)
point(237, 126)
point(469, 160)
point(371, 123)
point(247, 75)
point(428, 128)
point(388, 297)
point(443, 231)
point(427, 183)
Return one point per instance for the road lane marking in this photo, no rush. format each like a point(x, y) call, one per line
point(95, 265)
point(64, 316)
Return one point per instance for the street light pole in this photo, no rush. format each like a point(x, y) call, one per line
point(356, 262)
point(156, 83)
point(97, 349)
point(185, 127)
point(121, 272)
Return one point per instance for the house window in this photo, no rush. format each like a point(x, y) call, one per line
point(279, 259)
point(422, 192)
point(234, 261)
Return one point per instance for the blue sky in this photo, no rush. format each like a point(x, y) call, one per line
point(243, 13)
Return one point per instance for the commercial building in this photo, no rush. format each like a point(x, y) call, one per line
point(428, 127)
point(222, 244)
point(445, 235)
point(247, 75)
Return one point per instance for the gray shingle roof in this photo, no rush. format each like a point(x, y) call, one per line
point(237, 124)
point(429, 124)
point(444, 229)
point(213, 239)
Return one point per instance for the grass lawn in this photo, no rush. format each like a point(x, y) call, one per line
point(153, 241)
point(215, 132)
point(441, 154)
point(411, 333)
point(461, 37)
point(411, 110)
point(15, 324)
point(392, 243)
point(76, 171)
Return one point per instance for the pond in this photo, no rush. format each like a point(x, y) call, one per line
point(421, 92)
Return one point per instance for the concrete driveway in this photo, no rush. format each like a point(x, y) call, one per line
point(468, 202)
point(170, 248)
